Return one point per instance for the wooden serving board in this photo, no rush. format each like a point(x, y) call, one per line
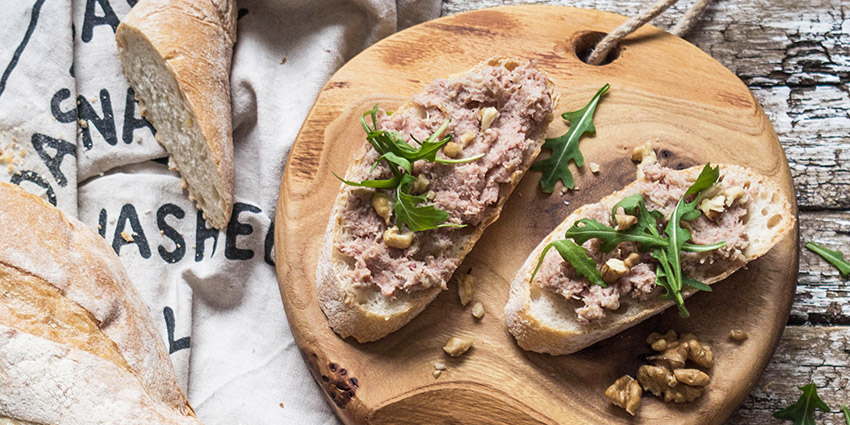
point(664, 90)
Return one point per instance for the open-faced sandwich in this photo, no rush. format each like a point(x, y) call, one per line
point(431, 177)
point(636, 252)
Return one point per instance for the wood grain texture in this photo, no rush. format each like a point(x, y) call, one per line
point(795, 57)
point(704, 115)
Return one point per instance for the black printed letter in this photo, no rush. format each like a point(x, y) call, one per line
point(53, 163)
point(137, 236)
point(90, 20)
point(131, 123)
point(105, 125)
point(202, 233)
point(234, 229)
point(169, 232)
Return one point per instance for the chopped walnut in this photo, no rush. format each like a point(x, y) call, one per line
point(456, 346)
point(646, 155)
point(673, 357)
point(613, 269)
point(669, 337)
point(452, 149)
point(382, 206)
point(700, 354)
point(465, 288)
point(594, 167)
point(682, 394)
point(394, 239)
point(632, 260)
point(738, 335)
point(692, 377)
point(624, 221)
point(419, 185)
point(488, 115)
point(465, 138)
point(712, 207)
point(735, 193)
point(656, 379)
point(625, 392)
point(478, 310)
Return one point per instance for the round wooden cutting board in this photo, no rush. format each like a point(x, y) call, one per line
point(663, 90)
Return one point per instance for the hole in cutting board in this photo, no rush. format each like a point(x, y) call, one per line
point(585, 42)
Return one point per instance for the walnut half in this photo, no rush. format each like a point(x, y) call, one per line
point(625, 392)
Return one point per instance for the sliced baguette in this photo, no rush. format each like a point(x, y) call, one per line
point(176, 55)
point(77, 343)
point(545, 322)
point(365, 312)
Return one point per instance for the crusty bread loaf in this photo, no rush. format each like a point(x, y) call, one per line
point(545, 322)
point(365, 312)
point(77, 344)
point(176, 55)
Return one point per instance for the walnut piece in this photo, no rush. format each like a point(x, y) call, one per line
point(452, 149)
point(700, 354)
point(613, 269)
point(478, 310)
point(624, 221)
point(625, 392)
point(456, 346)
point(419, 185)
point(488, 115)
point(670, 337)
point(682, 394)
point(397, 240)
point(465, 288)
point(738, 335)
point(632, 260)
point(382, 206)
point(465, 138)
point(594, 168)
point(656, 379)
point(673, 357)
point(692, 377)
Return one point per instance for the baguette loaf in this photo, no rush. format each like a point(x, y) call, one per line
point(546, 321)
point(367, 289)
point(176, 55)
point(77, 344)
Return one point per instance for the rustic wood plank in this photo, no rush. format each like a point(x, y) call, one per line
point(794, 55)
point(805, 354)
point(823, 297)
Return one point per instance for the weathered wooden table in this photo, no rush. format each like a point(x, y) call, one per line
point(795, 57)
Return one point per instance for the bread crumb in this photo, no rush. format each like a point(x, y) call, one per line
point(127, 236)
point(437, 373)
point(283, 60)
point(281, 405)
point(439, 366)
point(478, 310)
point(594, 168)
point(83, 123)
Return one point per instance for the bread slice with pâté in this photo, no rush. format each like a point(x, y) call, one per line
point(560, 311)
point(376, 273)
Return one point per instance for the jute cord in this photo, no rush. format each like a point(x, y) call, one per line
point(600, 52)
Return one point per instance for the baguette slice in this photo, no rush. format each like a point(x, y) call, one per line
point(77, 343)
point(176, 55)
point(357, 307)
point(546, 322)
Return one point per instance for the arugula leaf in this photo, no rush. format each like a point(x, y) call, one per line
point(577, 257)
point(846, 413)
point(672, 279)
point(834, 257)
point(803, 411)
point(588, 228)
point(565, 148)
point(417, 218)
point(400, 156)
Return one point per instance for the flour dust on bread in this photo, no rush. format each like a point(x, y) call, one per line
point(499, 109)
point(77, 343)
point(176, 55)
point(560, 312)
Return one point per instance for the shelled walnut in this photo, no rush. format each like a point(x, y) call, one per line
point(625, 392)
point(667, 377)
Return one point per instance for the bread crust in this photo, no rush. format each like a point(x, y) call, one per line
point(339, 299)
point(39, 240)
point(194, 42)
point(528, 306)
